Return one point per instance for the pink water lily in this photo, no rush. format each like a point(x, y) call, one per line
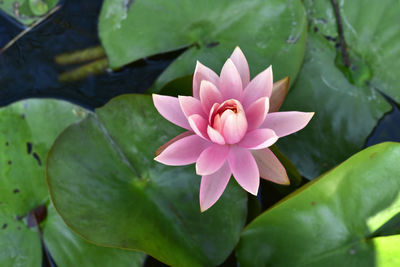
point(230, 122)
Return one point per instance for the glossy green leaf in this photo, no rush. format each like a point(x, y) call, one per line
point(372, 36)
point(101, 172)
point(346, 100)
point(19, 245)
point(333, 221)
point(68, 249)
point(269, 32)
point(27, 130)
point(344, 116)
point(26, 11)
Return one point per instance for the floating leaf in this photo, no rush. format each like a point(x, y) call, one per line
point(344, 117)
point(27, 129)
point(269, 32)
point(101, 172)
point(335, 220)
point(346, 99)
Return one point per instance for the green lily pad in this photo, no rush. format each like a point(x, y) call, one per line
point(372, 36)
point(26, 12)
point(68, 249)
point(101, 172)
point(27, 130)
point(345, 114)
point(268, 32)
point(19, 245)
point(346, 99)
point(334, 220)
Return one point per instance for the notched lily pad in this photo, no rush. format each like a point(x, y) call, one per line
point(346, 99)
point(338, 220)
point(269, 32)
point(101, 172)
point(27, 129)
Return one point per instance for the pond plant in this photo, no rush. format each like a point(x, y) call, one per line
point(195, 168)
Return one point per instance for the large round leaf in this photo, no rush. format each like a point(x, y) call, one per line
point(68, 249)
point(344, 117)
point(372, 35)
point(269, 32)
point(336, 220)
point(107, 187)
point(27, 129)
point(19, 245)
point(346, 99)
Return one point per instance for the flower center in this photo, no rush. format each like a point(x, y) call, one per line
point(229, 119)
point(231, 104)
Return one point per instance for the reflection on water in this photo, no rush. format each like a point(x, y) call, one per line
point(28, 69)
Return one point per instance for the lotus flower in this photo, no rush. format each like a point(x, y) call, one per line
point(230, 122)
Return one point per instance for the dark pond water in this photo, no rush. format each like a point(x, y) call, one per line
point(388, 128)
point(28, 69)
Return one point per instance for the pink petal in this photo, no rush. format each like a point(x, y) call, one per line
point(173, 140)
point(212, 186)
point(260, 86)
point(230, 83)
point(190, 106)
point(184, 151)
point(258, 139)
point(234, 126)
point(256, 113)
point(213, 112)
point(240, 62)
point(202, 73)
point(285, 123)
point(209, 95)
point(199, 125)
point(244, 169)
point(270, 167)
point(170, 109)
point(215, 136)
point(211, 159)
point(279, 92)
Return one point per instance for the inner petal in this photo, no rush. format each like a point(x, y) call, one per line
point(229, 120)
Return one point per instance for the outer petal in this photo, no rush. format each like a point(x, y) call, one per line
point(285, 123)
point(209, 95)
point(234, 126)
point(191, 105)
point(184, 151)
point(279, 92)
point(244, 169)
point(258, 139)
point(215, 136)
point(212, 186)
point(202, 73)
point(260, 86)
point(211, 159)
point(230, 83)
point(240, 62)
point(170, 109)
point(173, 140)
point(270, 167)
point(199, 125)
point(256, 113)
